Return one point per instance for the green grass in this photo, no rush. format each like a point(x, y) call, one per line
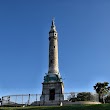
point(72, 107)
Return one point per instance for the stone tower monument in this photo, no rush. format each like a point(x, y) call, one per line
point(52, 87)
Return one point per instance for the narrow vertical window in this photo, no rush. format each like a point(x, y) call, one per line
point(51, 61)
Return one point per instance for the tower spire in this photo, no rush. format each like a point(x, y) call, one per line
point(53, 21)
point(53, 27)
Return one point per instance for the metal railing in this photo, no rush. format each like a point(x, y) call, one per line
point(30, 99)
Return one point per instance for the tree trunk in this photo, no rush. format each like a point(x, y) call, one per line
point(103, 100)
point(100, 98)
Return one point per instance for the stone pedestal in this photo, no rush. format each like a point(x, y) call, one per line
point(52, 92)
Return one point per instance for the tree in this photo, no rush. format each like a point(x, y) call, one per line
point(102, 89)
point(84, 96)
point(107, 99)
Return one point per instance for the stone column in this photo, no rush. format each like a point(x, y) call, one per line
point(53, 50)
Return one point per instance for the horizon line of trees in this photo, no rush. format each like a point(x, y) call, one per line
point(102, 89)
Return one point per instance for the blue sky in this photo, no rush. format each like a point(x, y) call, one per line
point(84, 43)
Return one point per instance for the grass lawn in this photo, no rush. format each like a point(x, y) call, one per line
point(72, 107)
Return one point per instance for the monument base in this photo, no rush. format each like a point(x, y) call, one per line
point(52, 92)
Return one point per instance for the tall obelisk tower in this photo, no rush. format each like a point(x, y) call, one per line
point(52, 87)
point(53, 50)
